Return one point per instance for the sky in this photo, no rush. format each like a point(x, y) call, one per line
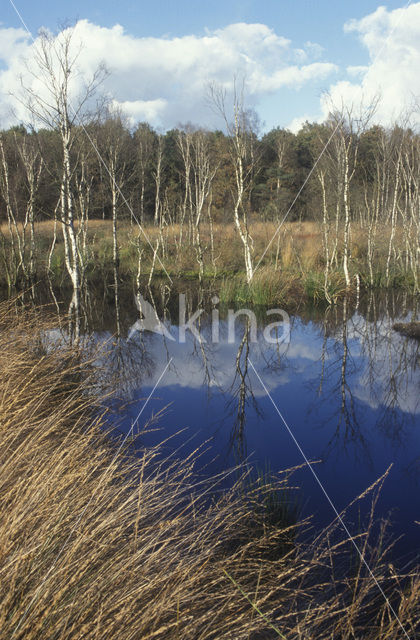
point(298, 58)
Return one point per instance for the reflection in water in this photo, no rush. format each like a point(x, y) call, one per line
point(347, 384)
point(241, 393)
point(338, 365)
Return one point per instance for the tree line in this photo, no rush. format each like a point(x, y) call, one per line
point(165, 175)
point(77, 165)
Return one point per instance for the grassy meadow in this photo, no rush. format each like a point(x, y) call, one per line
point(291, 270)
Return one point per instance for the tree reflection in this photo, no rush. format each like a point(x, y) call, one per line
point(361, 377)
point(366, 365)
point(347, 413)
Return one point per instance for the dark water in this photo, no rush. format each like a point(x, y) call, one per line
point(345, 383)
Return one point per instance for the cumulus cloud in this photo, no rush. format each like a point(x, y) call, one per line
point(294, 76)
point(297, 123)
point(163, 79)
point(392, 39)
point(141, 110)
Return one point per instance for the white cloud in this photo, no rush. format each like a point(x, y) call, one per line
point(294, 76)
point(12, 43)
point(392, 39)
point(297, 123)
point(357, 70)
point(314, 49)
point(141, 110)
point(163, 79)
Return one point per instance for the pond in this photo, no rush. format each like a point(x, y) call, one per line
point(336, 387)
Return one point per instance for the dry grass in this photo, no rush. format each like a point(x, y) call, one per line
point(96, 543)
point(296, 252)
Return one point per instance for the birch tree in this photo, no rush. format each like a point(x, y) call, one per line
point(32, 164)
point(145, 139)
point(114, 143)
point(53, 101)
point(20, 171)
point(244, 163)
point(204, 171)
point(199, 172)
point(343, 149)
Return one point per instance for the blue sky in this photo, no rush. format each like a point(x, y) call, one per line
point(306, 70)
point(301, 20)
